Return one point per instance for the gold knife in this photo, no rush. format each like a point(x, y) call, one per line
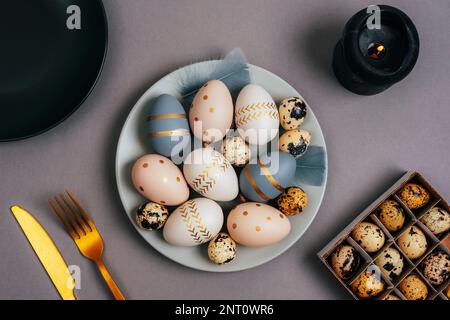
point(47, 252)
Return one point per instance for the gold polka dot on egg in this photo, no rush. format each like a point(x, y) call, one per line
point(292, 201)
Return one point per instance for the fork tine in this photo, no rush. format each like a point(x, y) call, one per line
point(63, 221)
point(75, 214)
point(69, 217)
point(83, 213)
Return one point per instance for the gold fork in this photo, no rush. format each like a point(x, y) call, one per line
point(85, 235)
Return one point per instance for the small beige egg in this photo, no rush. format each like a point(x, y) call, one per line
point(437, 220)
point(151, 216)
point(293, 112)
point(292, 201)
point(391, 297)
point(295, 142)
point(222, 249)
point(436, 268)
point(391, 214)
point(413, 243)
point(236, 151)
point(414, 196)
point(413, 288)
point(390, 262)
point(369, 236)
point(345, 261)
point(367, 285)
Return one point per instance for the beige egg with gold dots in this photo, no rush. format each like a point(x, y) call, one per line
point(256, 225)
point(211, 112)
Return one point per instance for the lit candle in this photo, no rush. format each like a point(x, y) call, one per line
point(379, 47)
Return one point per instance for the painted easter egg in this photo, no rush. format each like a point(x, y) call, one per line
point(211, 112)
point(255, 224)
point(159, 180)
point(195, 222)
point(256, 115)
point(267, 178)
point(167, 126)
point(210, 174)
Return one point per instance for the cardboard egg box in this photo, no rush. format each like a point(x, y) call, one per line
point(412, 218)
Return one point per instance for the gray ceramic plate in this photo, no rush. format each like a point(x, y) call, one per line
point(131, 146)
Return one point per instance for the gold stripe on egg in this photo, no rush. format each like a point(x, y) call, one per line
point(168, 133)
point(166, 116)
point(252, 182)
point(269, 176)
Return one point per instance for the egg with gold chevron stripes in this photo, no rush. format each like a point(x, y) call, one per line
point(211, 175)
point(268, 177)
point(256, 115)
point(211, 112)
point(194, 222)
point(167, 127)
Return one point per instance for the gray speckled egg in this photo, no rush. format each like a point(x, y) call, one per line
point(369, 236)
point(295, 142)
point(413, 243)
point(236, 151)
point(345, 261)
point(390, 263)
point(437, 220)
point(151, 216)
point(436, 268)
point(292, 111)
point(222, 249)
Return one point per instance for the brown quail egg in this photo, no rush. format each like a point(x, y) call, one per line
point(390, 263)
point(293, 111)
point(295, 142)
point(391, 297)
point(367, 285)
point(391, 214)
point(413, 243)
point(436, 268)
point(414, 196)
point(437, 220)
point(369, 236)
point(292, 201)
point(448, 292)
point(345, 261)
point(236, 151)
point(222, 249)
point(413, 288)
point(151, 216)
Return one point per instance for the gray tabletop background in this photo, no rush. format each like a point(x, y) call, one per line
point(371, 141)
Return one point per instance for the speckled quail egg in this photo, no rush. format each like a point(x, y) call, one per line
point(292, 201)
point(413, 288)
point(367, 285)
point(151, 216)
point(369, 236)
point(345, 261)
point(414, 196)
point(391, 214)
point(222, 249)
point(413, 243)
point(292, 111)
point(295, 142)
point(390, 262)
point(448, 292)
point(437, 220)
point(436, 268)
point(236, 151)
point(391, 297)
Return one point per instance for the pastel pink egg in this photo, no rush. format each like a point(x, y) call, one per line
point(255, 224)
point(211, 113)
point(159, 180)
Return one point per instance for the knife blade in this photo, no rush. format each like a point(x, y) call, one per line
point(47, 252)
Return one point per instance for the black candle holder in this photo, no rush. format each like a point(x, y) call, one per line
point(367, 60)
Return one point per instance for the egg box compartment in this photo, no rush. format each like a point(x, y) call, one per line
point(439, 288)
point(411, 219)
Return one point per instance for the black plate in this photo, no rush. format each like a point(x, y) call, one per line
point(47, 69)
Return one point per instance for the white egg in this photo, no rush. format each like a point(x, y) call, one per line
point(210, 174)
point(256, 115)
point(195, 222)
